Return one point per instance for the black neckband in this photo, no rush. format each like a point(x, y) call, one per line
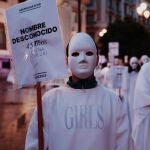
point(82, 83)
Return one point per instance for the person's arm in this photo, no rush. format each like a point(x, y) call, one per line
point(122, 136)
point(31, 142)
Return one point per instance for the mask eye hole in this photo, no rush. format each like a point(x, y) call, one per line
point(89, 53)
point(75, 54)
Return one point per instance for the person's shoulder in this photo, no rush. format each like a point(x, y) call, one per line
point(107, 91)
point(145, 71)
point(145, 66)
point(50, 96)
point(105, 70)
point(53, 91)
point(109, 96)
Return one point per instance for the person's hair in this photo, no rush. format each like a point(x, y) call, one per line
point(67, 49)
point(137, 69)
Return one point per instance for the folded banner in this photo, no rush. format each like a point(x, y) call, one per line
point(35, 40)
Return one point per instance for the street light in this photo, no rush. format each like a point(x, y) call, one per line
point(102, 32)
point(146, 14)
point(144, 10)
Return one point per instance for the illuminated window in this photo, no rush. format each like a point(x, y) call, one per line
point(2, 37)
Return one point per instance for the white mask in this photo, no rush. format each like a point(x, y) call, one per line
point(82, 55)
point(144, 59)
point(133, 62)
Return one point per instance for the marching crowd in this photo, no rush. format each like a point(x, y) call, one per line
point(134, 85)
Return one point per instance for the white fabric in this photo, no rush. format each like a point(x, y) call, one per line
point(106, 77)
point(82, 58)
point(142, 135)
point(131, 87)
point(11, 76)
point(97, 74)
point(81, 119)
point(141, 122)
point(132, 76)
point(144, 59)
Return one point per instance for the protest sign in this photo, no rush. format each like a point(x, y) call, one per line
point(113, 48)
point(113, 51)
point(119, 76)
point(35, 40)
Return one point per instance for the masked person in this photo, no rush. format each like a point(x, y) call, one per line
point(81, 115)
point(141, 108)
point(144, 59)
point(133, 70)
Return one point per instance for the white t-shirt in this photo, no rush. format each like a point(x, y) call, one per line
point(81, 119)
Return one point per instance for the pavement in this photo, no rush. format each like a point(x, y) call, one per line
point(16, 108)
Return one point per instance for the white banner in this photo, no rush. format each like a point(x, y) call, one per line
point(35, 39)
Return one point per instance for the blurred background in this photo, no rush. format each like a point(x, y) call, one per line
point(122, 25)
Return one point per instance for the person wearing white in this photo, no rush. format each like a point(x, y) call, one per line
point(141, 106)
point(105, 77)
point(81, 115)
point(144, 59)
point(132, 76)
point(97, 74)
point(133, 70)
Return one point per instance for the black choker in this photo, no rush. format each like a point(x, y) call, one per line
point(82, 83)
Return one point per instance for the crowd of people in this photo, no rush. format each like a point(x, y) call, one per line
point(100, 106)
point(135, 93)
point(104, 73)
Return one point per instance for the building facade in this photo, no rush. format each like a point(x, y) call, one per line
point(5, 57)
point(101, 13)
